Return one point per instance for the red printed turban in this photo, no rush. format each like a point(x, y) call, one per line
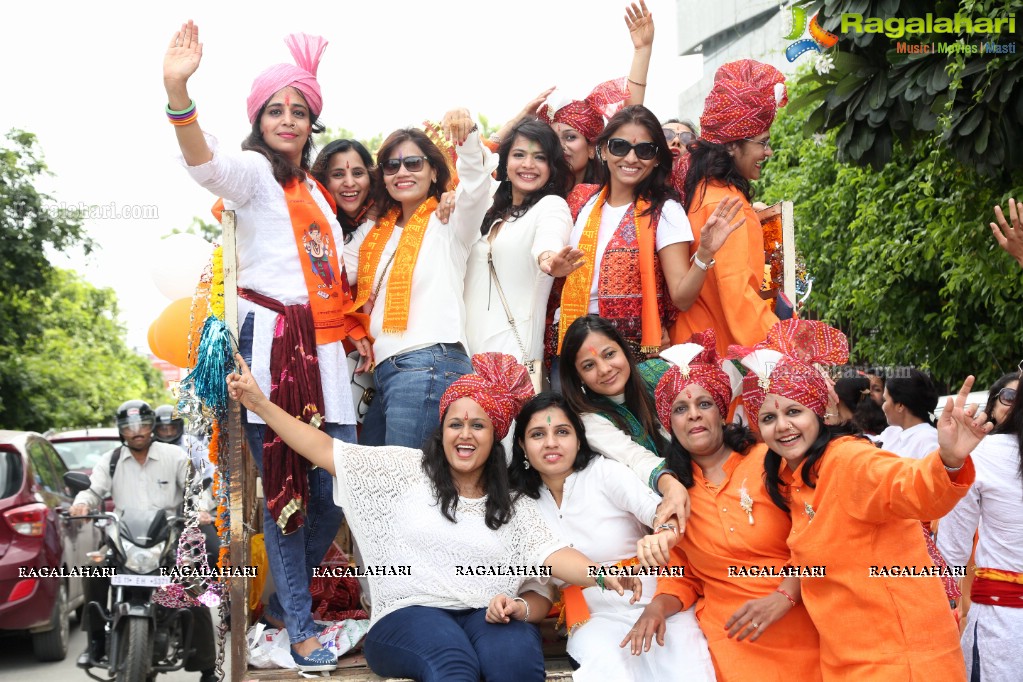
point(742, 102)
point(500, 385)
point(306, 50)
point(587, 115)
point(695, 362)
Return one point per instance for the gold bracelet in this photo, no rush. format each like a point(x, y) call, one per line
point(642, 85)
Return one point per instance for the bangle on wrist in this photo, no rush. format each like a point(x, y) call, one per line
point(695, 260)
point(642, 85)
point(600, 581)
point(526, 604)
point(666, 526)
point(786, 595)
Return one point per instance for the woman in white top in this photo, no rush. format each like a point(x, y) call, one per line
point(600, 508)
point(289, 273)
point(908, 404)
point(450, 549)
point(994, 504)
point(411, 276)
point(524, 234)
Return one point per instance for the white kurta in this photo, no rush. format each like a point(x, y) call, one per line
point(995, 504)
point(604, 512)
point(269, 263)
point(916, 442)
point(390, 506)
point(516, 248)
point(608, 440)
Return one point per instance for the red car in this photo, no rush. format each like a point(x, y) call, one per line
point(33, 535)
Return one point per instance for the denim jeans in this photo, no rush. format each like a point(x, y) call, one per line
point(406, 408)
point(441, 645)
point(293, 557)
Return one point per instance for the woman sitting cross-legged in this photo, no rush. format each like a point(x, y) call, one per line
point(436, 517)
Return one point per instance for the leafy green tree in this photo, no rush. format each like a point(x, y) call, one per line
point(902, 258)
point(371, 144)
point(211, 232)
point(876, 96)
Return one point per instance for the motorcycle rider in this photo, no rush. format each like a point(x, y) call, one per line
point(147, 475)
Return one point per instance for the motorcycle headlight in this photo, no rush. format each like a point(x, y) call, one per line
point(142, 560)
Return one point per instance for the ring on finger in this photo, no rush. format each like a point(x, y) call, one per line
point(754, 625)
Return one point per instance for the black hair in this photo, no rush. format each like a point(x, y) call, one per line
point(495, 481)
point(381, 198)
point(282, 168)
point(322, 166)
point(916, 392)
point(527, 481)
point(682, 122)
point(558, 184)
point(772, 462)
point(637, 398)
point(869, 417)
point(711, 161)
point(1013, 426)
point(655, 187)
point(737, 437)
point(992, 393)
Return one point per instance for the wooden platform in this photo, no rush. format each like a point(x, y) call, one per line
point(353, 668)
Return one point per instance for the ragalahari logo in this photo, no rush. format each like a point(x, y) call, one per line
point(819, 40)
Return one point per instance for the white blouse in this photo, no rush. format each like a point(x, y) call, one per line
point(436, 311)
point(916, 442)
point(390, 505)
point(269, 263)
point(610, 441)
point(516, 248)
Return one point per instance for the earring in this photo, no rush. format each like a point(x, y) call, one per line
point(525, 464)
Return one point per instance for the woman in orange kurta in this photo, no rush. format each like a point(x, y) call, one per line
point(735, 134)
point(734, 540)
point(880, 611)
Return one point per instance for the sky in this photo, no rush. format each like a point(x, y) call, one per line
point(85, 78)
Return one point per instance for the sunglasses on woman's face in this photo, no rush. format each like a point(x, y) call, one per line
point(1007, 396)
point(644, 150)
point(685, 137)
point(413, 164)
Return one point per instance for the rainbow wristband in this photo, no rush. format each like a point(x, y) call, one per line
point(183, 117)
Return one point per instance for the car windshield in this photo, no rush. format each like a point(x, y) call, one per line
point(83, 454)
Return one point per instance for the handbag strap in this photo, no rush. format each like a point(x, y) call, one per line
point(504, 302)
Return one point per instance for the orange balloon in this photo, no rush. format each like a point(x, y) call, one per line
point(170, 333)
point(151, 338)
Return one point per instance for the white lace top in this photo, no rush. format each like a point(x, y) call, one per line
point(391, 509)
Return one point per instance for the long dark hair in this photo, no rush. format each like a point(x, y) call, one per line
point(772, 461)
point(711, 161)
point(527, 481)
point(321, 167)
point(495, 481)
point(281, 166)
point(637, 399)
point(558, 184)
point(916, 392)
point(736, 436)
point(992, 393)
point(655, 187)
point(1013, 425)
point(381, 198)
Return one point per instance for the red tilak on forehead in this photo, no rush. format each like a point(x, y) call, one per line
point(287, 99)
point(689, 395)
point(777, 405)
point(348, 164)
point(466, 417)
point(593, 351)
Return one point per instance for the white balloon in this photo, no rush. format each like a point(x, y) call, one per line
point(179, 263)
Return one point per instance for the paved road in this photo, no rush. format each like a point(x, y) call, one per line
point(17, 664)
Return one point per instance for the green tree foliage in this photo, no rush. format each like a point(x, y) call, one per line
point(211, 232)
point(902, 258)
point(372, 144)
point(875, 97)
point(63, 360)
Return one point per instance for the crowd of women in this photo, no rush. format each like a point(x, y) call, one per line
point(588, 248)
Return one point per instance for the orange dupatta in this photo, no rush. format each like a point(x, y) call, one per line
point(575, 297)
point(399, 283)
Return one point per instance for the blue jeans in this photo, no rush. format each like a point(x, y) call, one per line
point(293, 557)
point(406, 408)
point(441, 645)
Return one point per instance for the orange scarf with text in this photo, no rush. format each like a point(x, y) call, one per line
point(575, 297)
point(399, 281)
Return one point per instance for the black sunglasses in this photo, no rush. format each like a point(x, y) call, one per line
point(644, 150)
point(1006, 396)
point(685, 137)
point(413, 164)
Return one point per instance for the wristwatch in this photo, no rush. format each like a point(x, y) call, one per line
point(700, 264)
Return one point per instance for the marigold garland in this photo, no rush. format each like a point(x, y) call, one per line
point(217, 283)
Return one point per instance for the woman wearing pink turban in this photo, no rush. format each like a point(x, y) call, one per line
point(296, 307)
point(735, 139)
point(457, 551)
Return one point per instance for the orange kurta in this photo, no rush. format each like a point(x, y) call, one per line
point(729, 301)
point(719, 537)
point(865, 512)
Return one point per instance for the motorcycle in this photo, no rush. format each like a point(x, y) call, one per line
point(144, 638)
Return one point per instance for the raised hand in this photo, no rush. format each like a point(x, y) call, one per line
point(533, 105)
point(563, 263)
point(243, 387)
point(720, 225)
point(1010, 236)
point(641, 25)
point(183, 54)
point(960, 427)
point(456, 125)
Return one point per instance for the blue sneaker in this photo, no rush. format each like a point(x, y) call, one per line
point(318, 661)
